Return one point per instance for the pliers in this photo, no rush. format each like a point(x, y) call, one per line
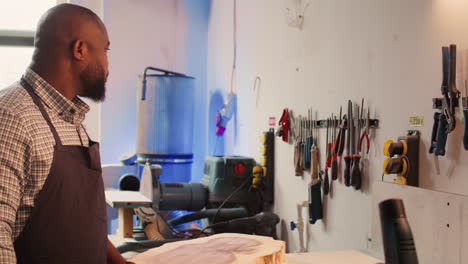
point(365, 134)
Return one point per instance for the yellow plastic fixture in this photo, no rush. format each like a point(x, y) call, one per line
point(405, 167)
point(400, 180)
point(385, 165)
point(386, 148)
point(405, 147)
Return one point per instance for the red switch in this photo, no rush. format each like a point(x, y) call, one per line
point(239, 168)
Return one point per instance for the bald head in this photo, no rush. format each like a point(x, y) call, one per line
point(71, 45)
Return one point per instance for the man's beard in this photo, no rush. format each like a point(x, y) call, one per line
point(93, 80)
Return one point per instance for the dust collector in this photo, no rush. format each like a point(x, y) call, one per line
point(165, 103)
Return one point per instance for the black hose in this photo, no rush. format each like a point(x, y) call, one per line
point(225, 214)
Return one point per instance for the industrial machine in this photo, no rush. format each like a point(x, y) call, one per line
point(165, 128)
point(235, 194)
point(227, 199)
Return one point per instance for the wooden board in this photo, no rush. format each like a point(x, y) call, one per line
point(217, 249)
point(337, 257)
point(126, 199)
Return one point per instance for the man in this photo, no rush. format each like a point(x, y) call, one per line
point(52, 206)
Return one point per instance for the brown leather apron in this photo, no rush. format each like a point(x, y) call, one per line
point(68, 223)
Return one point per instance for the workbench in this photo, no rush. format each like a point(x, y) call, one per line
point(333, 257)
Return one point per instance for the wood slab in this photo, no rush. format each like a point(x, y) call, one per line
point(227, 248)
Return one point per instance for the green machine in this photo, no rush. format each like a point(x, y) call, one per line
point(225, 175)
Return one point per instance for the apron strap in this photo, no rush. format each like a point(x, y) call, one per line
point(39, 104)
point(86, 132)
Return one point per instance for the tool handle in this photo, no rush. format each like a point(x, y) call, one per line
point(453, 71)
point(326, 183)
point(441, 136)
point(342, 140)
point(465, 134)
point(315, 202)
point(445, 70)
point(334, 167)
point(347, 171)
point(306, 153)
point(435, 127)
point(329, 158)
point(314, 171)
point(356, 173)
point(298, 160)
point(336, 147)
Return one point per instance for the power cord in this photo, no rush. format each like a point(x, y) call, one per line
point(246, 180)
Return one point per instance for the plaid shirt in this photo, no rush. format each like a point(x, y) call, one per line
point(26, 150)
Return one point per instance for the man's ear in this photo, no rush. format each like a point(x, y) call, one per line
point(79, 49)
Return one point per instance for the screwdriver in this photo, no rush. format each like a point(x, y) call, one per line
point(334, 165)
point(314, 152)
point(326, 182)
point(329, 144)
point(465, 114)
point(347, 158)
point(356, 172)
point(308, 142)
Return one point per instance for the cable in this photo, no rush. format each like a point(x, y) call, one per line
point(222, 204)
point(173, 230)
point(229, 197)
point(203, 230)
point(234, 62)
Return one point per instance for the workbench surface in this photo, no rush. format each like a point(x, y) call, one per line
point(334, 257)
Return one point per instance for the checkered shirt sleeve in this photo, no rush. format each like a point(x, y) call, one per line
point(15, 158)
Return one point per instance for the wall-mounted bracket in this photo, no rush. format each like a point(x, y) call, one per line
point(437, 103)
point(373, 123)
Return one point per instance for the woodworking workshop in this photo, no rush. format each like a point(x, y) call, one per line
point(233, 131)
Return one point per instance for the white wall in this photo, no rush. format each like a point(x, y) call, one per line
point(142, 33)
point(166, 34)
point(387, 51)
point(92, 121)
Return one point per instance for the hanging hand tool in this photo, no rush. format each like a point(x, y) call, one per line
point(334, 165)
point(304, 138)
point(315, 202)
point(284, 125)
point(451, 93)
point(465, 114)
point(298, 145)
point(440, 120)
point(347, 158)
point(356, 171)
point(329, 143)
point(314, 152)
point(326, 181)
point(447, 121)
point(435, 128)
point(339, 147)
point(441, 135)
point(308, 142)
point(342, 135)
point(365, 134)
